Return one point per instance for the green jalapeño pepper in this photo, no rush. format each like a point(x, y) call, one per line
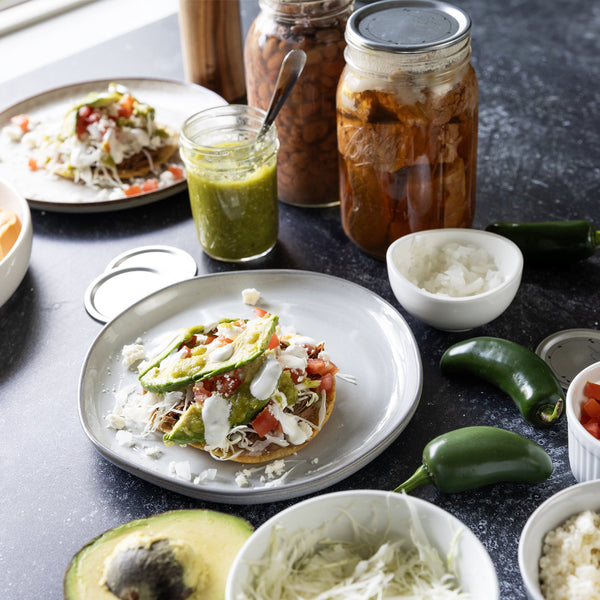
point(516, 370)
point(472, 457)
point(551, 242)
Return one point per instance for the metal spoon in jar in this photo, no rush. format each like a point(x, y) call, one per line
point(290, 70)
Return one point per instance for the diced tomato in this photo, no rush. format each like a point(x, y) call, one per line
point(274, 343)
point(21, 121)
point(260, 312)
point(594, 428)
point(150, 185)
point(133, 190)
point(85, 116)
point(177, 172)
point(189, 343)
point(126, 106)
point(201, 393)
point(591, 407)
point(264, 422)
point(317, 366)
point(592, 390)
point(327, 382)
point(32, 164)
point(224, 384)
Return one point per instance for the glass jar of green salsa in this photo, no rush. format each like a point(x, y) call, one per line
point(232, 181)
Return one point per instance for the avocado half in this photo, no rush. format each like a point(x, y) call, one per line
point(176, 555)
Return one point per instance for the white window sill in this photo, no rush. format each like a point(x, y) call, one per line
point(42, 42)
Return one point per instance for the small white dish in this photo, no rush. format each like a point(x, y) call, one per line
point(387, 516)
point(584, 448)
point(443, 311)
point(15, 264)
point(548, 516)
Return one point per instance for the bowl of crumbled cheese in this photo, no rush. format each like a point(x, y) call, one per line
point(15, 240)
point(454, 279)
point(363, 544)
point(559, 547)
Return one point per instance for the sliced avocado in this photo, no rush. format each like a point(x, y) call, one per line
point(171, 375)
point(180, 336)
point(93, 99)
point(177, 555)
point(189, 428)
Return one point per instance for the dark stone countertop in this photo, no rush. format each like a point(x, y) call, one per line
point(538, 69)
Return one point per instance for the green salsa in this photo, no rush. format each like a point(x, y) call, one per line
point(235, 209)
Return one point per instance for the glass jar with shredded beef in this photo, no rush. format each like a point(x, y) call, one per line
point(407, 107)
point(308, 163)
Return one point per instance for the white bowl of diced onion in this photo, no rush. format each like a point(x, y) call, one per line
point(454, 279)
point(355, 544)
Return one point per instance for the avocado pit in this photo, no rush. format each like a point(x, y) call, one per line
point(149, 570)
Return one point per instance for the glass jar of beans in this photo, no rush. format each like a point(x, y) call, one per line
point(308, 159)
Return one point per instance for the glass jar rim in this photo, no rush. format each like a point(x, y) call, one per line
point(233, 112)
point(302, 8)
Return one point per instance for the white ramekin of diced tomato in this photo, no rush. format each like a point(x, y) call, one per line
point(583, 417)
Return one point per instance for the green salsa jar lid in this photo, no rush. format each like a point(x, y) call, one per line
point(133, 275)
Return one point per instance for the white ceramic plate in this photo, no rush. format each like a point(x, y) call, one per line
point(364, 335)
point(173, 101)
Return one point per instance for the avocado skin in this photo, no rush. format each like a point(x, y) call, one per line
point(215, 538)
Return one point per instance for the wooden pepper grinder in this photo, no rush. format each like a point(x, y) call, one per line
point(212, 47)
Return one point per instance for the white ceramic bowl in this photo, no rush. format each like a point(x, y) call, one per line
point(584, 448)
point(549, 515)
point(380, 512)
point(14, 265)
point(460, 313)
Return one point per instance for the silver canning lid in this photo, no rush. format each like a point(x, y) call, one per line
point(404, 26)
point(570, 351)
point(133, 275)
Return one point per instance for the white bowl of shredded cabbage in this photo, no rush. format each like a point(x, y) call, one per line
point(362, 544)
point(454, 279)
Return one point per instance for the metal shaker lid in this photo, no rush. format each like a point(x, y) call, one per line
point(407, 26)
point(570, 351)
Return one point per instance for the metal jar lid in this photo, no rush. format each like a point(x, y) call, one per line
point(404, 26)
point(133, 275)
point(570, 351)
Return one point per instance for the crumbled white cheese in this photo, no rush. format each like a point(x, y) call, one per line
point(153, 452)
point(124, 438)
point(275, 469)
point(570, 562)
point(242, 478)
point(250, 296)
point(115, 421)
point(181, 469)
point(206, 475)
point(132, 354)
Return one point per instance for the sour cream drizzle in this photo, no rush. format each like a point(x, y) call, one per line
point(215, 414)
point(264, 384)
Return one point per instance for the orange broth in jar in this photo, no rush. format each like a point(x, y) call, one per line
point(406, 126)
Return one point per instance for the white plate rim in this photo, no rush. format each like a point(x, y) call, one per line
point(237, 495)
point(80, 88)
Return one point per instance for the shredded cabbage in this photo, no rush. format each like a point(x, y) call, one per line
point(307, 566)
